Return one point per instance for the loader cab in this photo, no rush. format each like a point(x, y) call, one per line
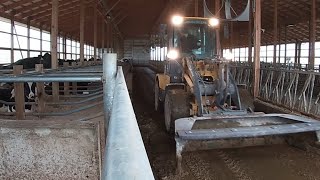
point(189, 37)
point(195, 37)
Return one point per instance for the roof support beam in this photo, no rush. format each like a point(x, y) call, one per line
point(41, 17)
point(54, 49)
point(14, 4)
point(114, 5)
point(45, 9)
point(275, 30)
point(45, 14)
point(312, 33)
point(257, 43)
point(26, 10)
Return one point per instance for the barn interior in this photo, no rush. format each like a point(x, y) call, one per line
point(107, 89)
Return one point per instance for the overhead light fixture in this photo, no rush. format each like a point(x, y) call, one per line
point(213, 22)
point(177, 20)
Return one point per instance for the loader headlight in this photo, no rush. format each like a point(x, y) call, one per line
point(213, 22)
point(177, 20)
point(173, 54)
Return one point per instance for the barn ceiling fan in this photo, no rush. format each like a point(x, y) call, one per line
point(244, 16)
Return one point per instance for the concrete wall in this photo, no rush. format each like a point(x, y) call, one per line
point(48, 152)
point(136, 49)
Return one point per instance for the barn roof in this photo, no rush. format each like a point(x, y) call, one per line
point(140, 17)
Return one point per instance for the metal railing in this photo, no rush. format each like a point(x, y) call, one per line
point(296, 90)
point(287, 66)
point(125, 155)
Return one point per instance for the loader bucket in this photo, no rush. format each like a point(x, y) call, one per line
point(235, 131)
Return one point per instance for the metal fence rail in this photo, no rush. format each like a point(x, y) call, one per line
point(125, 156)
point(292, 89)
point(287, 66)
point(295, 90)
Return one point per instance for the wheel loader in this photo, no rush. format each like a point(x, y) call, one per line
point(201, 101)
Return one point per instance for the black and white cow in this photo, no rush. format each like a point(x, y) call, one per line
point(7, 93)
point(30, 63)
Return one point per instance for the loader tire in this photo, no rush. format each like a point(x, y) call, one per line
point(158, 105)
point(176, 105)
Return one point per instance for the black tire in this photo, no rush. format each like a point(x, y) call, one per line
point(176, 105)
point(158, 105)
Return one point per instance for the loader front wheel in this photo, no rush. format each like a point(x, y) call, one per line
point(176, 105)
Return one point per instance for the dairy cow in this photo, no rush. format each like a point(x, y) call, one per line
point(7, 94)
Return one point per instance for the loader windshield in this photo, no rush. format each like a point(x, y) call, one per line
point(195, 38)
